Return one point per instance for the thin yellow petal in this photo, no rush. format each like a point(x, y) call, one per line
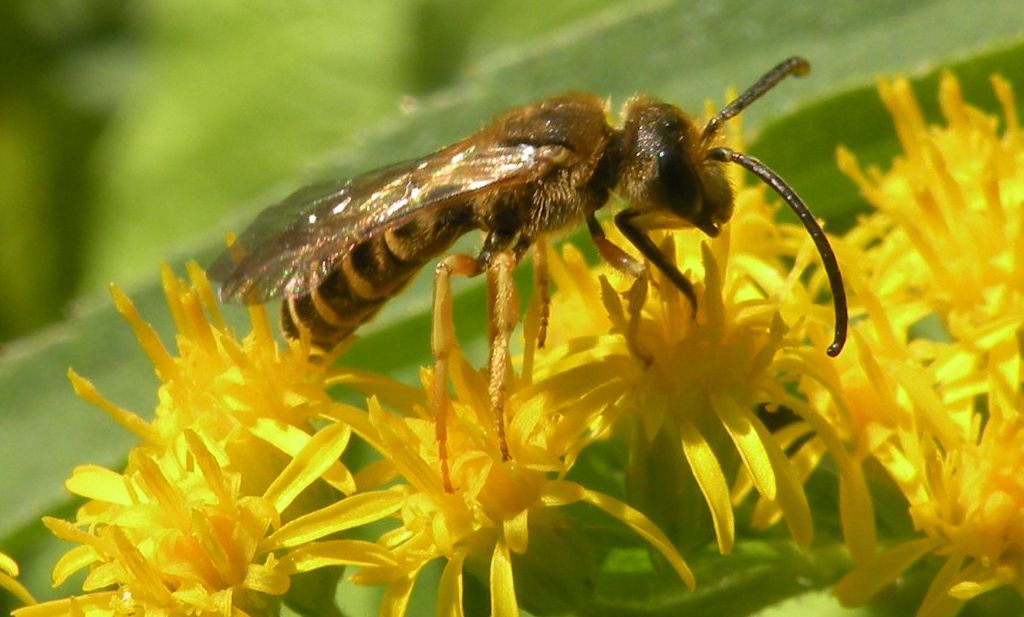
point(708, 474)
point(855, 505)
point(937, 602)
point(86, 391)
point(67, 531)
point(359, 509)
point(209, 466)
point(72, 562)
point(738, 422)
point(517, 534)
point(92, 604)
point(396, 596)
point(560, 492)
point(337, 553)
point(291, 440)
point(503, 588)
point(266, 579)
point(320, 453)
point(933, 412)
point(978, 578)
point(9, 570)
point(146, 335)
point(791, 497)
point(138, 567)
point(449, 591)
point(359, 420)
point(99, 483)
point(197, 277)
point(390, 392)
point(860, 585)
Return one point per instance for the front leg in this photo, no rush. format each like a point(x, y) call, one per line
point(636, 236)
point(610, 252)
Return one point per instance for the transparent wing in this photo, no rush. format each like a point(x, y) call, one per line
point(292, 246)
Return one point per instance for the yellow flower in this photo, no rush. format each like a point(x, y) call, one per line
point(944, 256)
point(951, 243)
point(693, 383)
point(966, 503)
point(495, 505)
point(231, 453)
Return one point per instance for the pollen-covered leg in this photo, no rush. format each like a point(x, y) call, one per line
point(442, 341)
point(504, 313)
point(542, 288)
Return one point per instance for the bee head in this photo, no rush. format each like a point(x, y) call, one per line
point(666, 171)
point(674, 175)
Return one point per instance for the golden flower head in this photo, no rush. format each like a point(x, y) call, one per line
point(693, 382)
point(231, 453)
point(494, 505)
point(944, 247)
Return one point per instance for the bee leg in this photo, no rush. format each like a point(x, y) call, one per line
point(504, 313)
point(542, 289)
point(623, 262)
point(442, 341)
point(610, 252)
point(636, 236)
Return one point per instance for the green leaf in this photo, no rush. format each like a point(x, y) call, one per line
point(682, 52)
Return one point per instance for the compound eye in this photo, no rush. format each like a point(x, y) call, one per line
point(678, 183)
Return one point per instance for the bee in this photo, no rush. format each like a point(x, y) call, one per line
point(336, 252)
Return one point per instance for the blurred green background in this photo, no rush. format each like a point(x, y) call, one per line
point(136, 132)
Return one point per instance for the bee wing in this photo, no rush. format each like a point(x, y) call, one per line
point(292, 246)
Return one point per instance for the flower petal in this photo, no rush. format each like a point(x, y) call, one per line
point(359, 509)
point(92, 604)
point(99, 483)
point(560, 492)
point(320, 453)
point(860, 585)
point(337, 552)
point(708, 474)
point(739, 424)
point(516, 531)
point(503, 589)
point(449, 591)
point(396, 596)
point(86, 391)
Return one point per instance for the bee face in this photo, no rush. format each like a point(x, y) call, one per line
point(666, 171)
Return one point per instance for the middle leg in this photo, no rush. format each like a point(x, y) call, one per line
point(504, 313)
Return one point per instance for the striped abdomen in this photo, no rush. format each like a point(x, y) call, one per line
point(373, 272)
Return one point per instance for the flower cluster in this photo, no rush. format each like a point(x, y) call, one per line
point(933, 387)
point(240, 498)
point(232, 451)
point(236, 489)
